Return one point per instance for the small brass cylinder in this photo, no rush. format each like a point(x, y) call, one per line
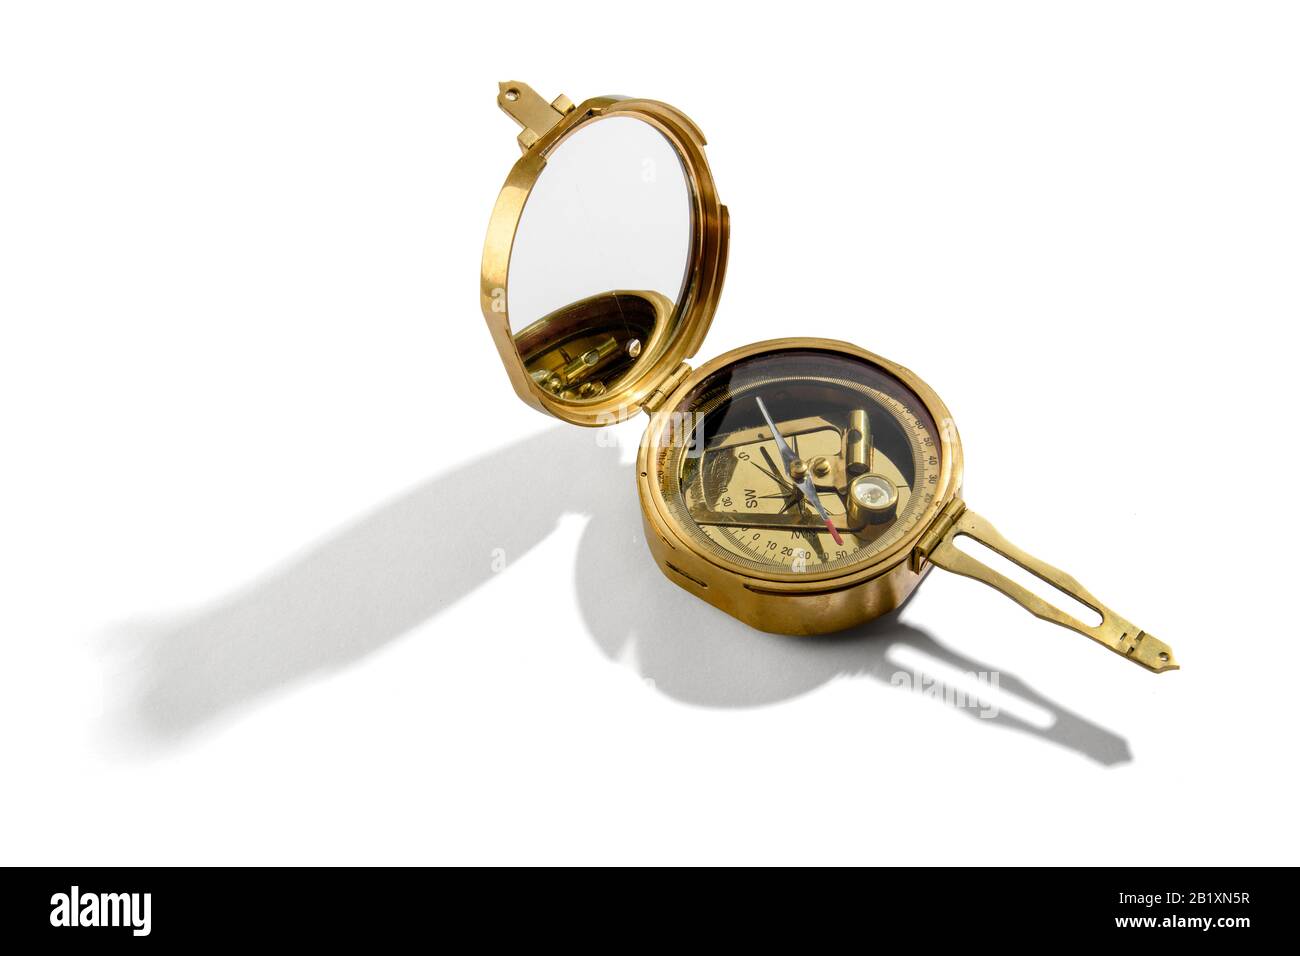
point(857, 443)
point(586, 364)
point(872, 499)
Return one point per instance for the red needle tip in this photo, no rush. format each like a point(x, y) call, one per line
point(830, 526)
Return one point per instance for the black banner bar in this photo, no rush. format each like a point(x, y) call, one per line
point(143, 907)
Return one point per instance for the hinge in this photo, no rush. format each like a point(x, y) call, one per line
point(666, 388)
point(522, 103)
point(940, 527)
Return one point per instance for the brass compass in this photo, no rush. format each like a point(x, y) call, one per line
point(802, 485)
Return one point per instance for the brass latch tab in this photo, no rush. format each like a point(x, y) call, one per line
point(523, 104)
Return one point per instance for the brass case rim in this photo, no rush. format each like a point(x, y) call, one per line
point(705, 269)
point(948, 488)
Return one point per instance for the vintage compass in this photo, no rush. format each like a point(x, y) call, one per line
point(801, 485)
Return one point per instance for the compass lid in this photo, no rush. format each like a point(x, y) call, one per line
point(605, 254)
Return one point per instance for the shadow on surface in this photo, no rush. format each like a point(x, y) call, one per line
point(387, 573)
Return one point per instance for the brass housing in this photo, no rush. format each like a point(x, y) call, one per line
point(781, 602)
point(794, 602)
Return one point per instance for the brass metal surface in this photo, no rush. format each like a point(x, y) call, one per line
point(1115, 632)
point(570, 365)
point(857, 444)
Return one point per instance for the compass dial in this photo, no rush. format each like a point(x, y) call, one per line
point(851, 469)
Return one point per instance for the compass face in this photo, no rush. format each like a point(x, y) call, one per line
point(853, 468)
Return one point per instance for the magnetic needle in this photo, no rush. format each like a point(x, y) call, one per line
point(801, 485)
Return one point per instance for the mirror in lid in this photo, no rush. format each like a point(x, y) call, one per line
point(605, 253)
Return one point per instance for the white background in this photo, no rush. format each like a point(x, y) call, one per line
point(258, 448)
